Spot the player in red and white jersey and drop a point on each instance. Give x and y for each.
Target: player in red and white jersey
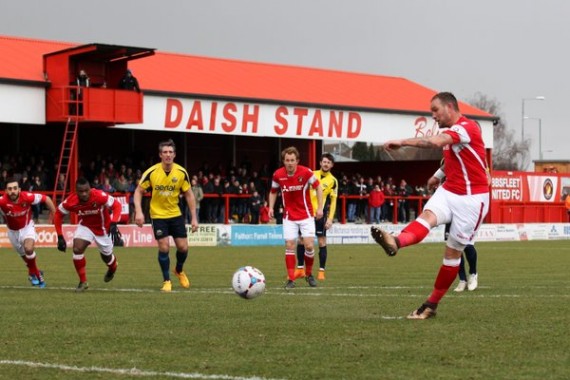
(462, 201)
(16, 206)
(95, 223)
(294, 182)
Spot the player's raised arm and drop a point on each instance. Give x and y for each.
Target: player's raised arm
(437, 141)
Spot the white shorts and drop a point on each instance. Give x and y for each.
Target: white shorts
(104, 242)
(291, 228)
(17, 237)
(464, 212)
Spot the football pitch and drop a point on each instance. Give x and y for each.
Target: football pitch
(353, 326)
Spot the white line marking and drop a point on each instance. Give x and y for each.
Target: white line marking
(311, 292)
(126, 371)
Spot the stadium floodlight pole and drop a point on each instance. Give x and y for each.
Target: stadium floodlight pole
(540, 97)
(539, 134)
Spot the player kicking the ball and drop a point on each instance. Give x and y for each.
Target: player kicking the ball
(462, 200)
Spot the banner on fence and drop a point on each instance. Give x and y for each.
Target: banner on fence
(217, 235)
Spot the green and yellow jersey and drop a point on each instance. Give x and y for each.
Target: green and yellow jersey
(166, 188)
(330, 192)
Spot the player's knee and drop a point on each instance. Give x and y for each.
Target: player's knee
(456, 245)
(77, 251)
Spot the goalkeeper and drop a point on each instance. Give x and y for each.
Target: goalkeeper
(95, 223)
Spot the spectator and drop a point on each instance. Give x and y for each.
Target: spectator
(27, 184)
(107, 187)
(61, 182)
(208, 188)
(82, 80)
(375, 201)
(404, 190)
(131, 190)
(217, 207)
(96, 183)
(388, 206)
(120, 184)
(129, 82)
(3, 178)
(362, 202)
(353, 189)
(254, 207)
(198, 195)
(264, 213)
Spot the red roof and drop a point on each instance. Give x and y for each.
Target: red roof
(22, 59)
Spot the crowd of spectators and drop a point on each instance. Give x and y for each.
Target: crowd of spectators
(370, 201)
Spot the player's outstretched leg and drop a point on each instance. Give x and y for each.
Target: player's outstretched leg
(427, 310)
(388, 242)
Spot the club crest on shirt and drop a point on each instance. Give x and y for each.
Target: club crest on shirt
(300, 179)
(174, 179)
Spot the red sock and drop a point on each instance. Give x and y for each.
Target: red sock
(290, 262)
(413, 233)
(80, 263)
(443, 281)
(31, 264)
(112, 265)
(309, 260)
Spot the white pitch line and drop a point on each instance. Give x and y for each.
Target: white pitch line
(127, 371)
(307, 292)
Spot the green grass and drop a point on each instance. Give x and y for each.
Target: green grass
(515, 326)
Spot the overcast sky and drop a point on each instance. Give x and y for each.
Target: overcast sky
(505, 49)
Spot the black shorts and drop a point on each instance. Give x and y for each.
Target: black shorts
(320, 229)
(174, 227)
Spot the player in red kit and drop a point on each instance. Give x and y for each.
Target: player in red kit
(462, 200)
(95, 223)
(16, 206)
(294, 181)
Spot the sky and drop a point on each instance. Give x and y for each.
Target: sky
(507, 50)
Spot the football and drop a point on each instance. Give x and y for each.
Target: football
(248, 282)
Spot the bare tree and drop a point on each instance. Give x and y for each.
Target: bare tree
(508, 152)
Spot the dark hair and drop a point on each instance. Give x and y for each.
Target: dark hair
(82, 181)
(168, 142)
(447, 98)
(328, 156)
(10, 180)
